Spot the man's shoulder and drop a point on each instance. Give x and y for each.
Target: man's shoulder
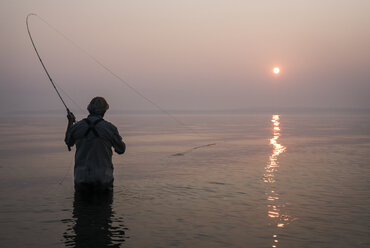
(79, 124)
(109, 124)
(82, 122)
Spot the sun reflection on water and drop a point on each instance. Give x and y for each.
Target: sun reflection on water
(274, 206)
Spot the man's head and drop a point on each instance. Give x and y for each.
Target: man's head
(98, 106)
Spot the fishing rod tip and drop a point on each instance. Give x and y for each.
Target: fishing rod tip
(30, 14)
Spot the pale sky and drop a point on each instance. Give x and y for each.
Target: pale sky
(188, 55)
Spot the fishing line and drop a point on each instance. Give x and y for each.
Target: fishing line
(125, 82)
(192, 149)
(67, 172)
(70, 98)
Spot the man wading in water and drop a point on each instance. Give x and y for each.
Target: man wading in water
(94, 138)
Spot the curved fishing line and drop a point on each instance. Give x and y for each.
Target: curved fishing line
(117, 76)
(119, 79)
(67, 172)
(69, 97)
(192, 149)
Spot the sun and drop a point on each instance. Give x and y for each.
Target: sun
(276, 70)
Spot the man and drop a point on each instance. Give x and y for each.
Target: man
(94, 138)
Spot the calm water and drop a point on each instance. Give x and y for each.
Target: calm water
(270, 181)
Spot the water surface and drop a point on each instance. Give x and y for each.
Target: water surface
(303, 184)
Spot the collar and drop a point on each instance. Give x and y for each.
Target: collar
(94, 116)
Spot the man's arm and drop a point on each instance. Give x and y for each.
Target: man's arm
(71, 120)
(118, 144)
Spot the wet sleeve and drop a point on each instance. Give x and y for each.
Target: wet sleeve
(117, 142)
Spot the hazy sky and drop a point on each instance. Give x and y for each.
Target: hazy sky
(204, 54)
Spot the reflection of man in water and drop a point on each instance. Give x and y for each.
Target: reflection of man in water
(94, 224)
(94, 138)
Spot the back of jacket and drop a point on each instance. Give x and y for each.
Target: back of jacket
(94, 139)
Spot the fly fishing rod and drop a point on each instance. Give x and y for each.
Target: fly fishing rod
(43, 66)
(42, 63)
(120, 79)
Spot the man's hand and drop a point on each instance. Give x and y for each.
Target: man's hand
(71, 117)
